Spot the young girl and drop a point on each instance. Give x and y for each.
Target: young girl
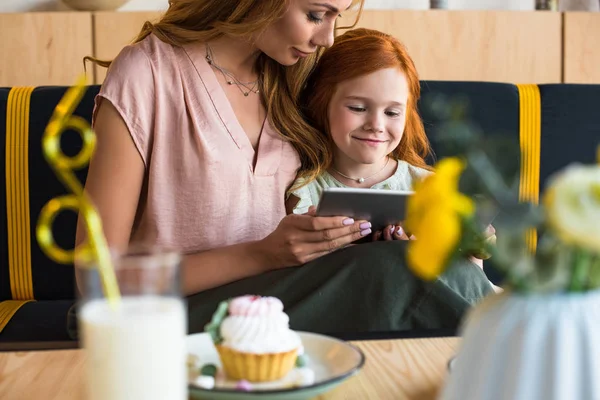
(363, 96)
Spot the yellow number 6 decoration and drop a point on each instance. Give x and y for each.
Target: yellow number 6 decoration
(95, 250)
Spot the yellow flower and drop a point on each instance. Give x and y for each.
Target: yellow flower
(434, 216)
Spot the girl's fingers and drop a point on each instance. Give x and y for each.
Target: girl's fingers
(388, 232)
(399, 234)
(489, 231)
(377, 236)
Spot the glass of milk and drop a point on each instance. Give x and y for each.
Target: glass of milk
(136, 349)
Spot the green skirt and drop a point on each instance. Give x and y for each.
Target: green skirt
(359, 289)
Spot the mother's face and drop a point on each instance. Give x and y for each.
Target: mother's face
(305, 26)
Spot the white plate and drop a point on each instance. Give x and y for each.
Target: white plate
(332, 361)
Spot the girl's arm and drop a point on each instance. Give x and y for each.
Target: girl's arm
(291, 203)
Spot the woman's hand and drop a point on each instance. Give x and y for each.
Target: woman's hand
(392, 232)
(302, 238)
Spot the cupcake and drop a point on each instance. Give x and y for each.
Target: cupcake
(253, 338)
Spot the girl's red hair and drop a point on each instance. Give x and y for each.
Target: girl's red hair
(356, 53)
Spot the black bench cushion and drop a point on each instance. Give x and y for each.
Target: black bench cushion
(493, 105)
(50, 279)
(570, 126)
(39, 321)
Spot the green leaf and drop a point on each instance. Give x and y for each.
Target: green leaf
(594, 279)
(581, 268)
(214, 326)
(208, 370)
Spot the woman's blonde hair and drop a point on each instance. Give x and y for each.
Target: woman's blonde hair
(189, 21)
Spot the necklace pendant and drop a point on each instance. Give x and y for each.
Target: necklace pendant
(246, 94)
(361, 180)
(229, 83)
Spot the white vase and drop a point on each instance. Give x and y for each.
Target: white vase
(529, 347)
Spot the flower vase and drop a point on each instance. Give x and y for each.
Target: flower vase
(529, 347)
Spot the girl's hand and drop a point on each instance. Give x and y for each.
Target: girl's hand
(392, 232)
(302, 238)
(490, 237)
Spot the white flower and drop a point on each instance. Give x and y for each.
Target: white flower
(572, 204)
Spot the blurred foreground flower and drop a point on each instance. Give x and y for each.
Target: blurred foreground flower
(435, 216)
(572, 204)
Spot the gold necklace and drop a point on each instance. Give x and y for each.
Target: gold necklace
(361, 180)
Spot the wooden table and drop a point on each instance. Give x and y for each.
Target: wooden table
(395, 369)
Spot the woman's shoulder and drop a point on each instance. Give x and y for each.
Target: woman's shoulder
(142, 57)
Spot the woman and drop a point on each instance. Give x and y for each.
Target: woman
(199, 137)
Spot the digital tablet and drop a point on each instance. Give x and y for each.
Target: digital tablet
(379, 207)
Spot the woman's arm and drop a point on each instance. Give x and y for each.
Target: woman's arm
(114, 179)
(114, 183)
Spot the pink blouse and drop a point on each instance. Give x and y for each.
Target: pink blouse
(202, 189)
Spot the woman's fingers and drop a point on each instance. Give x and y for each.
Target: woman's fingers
(336, 243)
(308, 222)
(359, 229)
(316, 255)
(321, 235)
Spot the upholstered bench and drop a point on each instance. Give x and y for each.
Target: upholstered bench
(554, 125)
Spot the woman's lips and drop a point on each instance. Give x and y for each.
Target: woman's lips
(300, 53)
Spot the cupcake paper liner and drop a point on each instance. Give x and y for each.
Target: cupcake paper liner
(256, 367)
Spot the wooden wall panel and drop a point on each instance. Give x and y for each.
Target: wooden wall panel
(504, 46)
(43, 48)
(48, 48)
(115, 30)
(582, 47)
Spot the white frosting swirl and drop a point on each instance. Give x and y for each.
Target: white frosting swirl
(259, 334)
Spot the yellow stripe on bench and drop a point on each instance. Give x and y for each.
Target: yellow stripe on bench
(530, 132)
(17, 202)
(8, 308)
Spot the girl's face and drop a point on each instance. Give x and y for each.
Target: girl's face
(305, 26)
(367, 116)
